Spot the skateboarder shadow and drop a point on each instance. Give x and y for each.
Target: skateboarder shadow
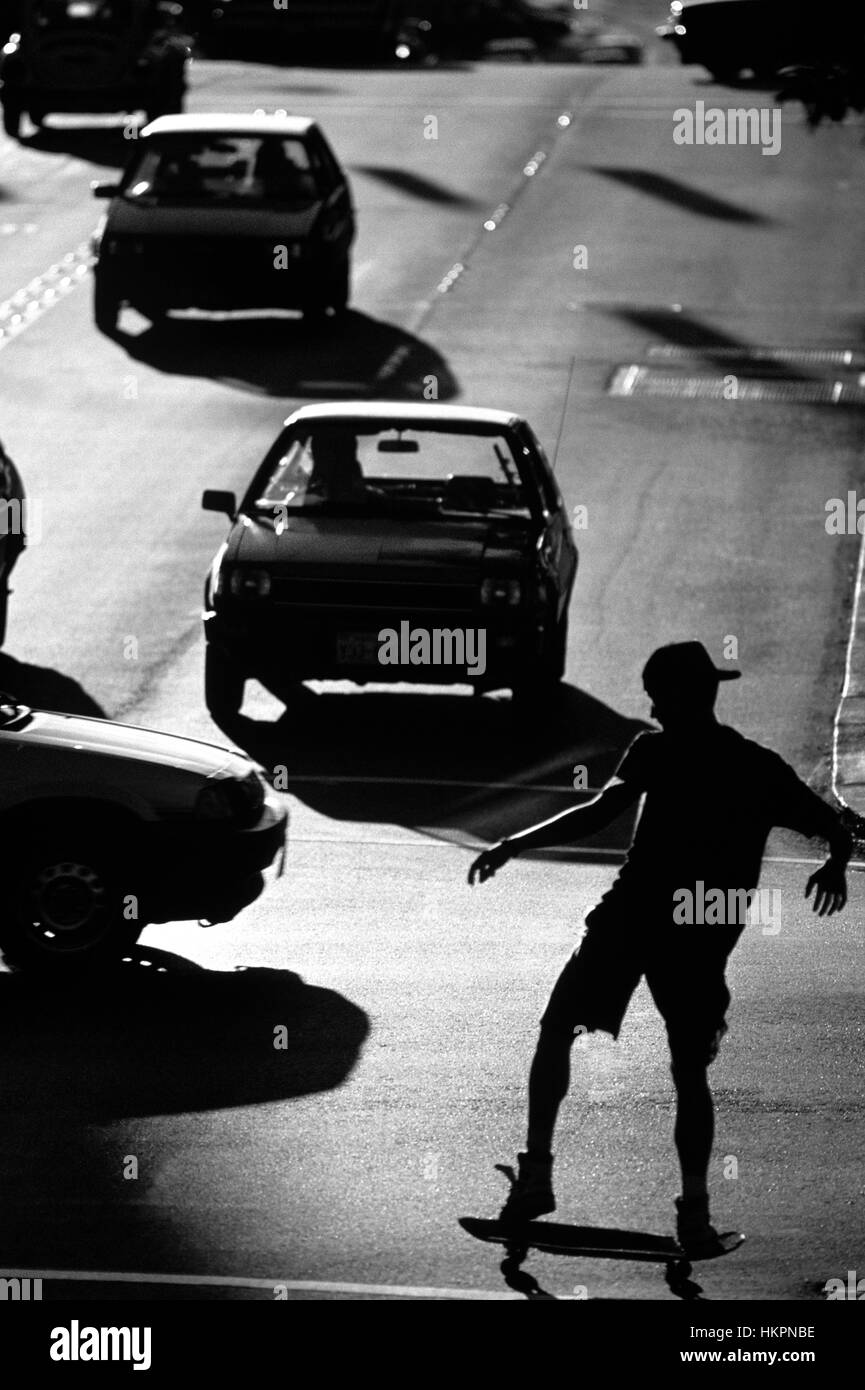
(591, 1242)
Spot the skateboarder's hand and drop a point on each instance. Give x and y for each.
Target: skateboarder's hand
(489, 862)
(830, 884)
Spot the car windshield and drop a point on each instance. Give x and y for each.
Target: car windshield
(369, 464)
(237, 168)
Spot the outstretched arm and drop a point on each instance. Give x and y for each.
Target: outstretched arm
(577, 823)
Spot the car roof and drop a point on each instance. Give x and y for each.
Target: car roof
(415, 412)
(228, 124)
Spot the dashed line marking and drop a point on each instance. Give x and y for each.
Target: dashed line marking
(42, 293)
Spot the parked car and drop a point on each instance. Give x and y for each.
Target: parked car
(226, 212)
(106, 828)
(763, 36)
(13, 520)
(93, 55)
(365, 516)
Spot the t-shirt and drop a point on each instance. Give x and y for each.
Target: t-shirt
(710, 803)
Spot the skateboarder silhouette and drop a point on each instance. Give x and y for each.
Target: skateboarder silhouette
(711, 799)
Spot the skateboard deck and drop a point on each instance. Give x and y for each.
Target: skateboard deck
(592, 1242)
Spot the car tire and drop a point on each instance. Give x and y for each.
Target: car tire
(12, 114)
(223, 685)
(106, 306)
(539, 683)
(67, 902)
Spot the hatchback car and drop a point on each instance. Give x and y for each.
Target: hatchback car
(107, 828)
(441, 527)
(226, 212)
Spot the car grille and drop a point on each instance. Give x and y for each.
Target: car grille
(381, 594)
(193, 257)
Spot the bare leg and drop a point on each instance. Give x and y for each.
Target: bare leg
(549, 1079)
(695, 1126)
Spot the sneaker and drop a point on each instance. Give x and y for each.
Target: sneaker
(694, 1231)
(531, 1191)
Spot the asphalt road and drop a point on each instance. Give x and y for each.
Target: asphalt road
(339, 1166)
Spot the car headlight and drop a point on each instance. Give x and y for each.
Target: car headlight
(505, 591)
(238, 800)
(249, 583)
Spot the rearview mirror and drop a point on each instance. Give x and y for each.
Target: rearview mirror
(214, 500)
(398, 446)
(104, 190)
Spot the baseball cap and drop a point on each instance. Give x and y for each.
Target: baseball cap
(682, 667)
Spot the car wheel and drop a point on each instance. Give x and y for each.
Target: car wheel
(69, 903)
(223, 685)
(538, 684)
(106, 306)
(12, 114)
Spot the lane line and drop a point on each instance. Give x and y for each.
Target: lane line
(42, 293)
(226, 1281)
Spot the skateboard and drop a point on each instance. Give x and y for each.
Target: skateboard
(592, 1242)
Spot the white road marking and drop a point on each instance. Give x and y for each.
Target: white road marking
(848, 673)
(30, 303)
(227, 1281)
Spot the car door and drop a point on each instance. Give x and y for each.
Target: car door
(337, 214)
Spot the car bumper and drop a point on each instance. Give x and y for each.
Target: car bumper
(218, 283)
(345, 646)
(207, 871)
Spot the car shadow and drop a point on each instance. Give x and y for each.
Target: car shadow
(461, 768)
(155, 1035)
(42, 687)
(355, 356)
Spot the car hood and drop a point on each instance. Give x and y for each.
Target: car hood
(144, 220)
(355, 541)
(73, 734)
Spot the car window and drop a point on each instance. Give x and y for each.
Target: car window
(237, 168)
(310, 467)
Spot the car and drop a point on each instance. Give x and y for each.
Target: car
(107, 828)
(93, 55)
(13, 537)
(763, 37)
(371, 517)
(226, 212)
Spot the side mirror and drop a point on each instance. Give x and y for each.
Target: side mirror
(104, 190)
(214, 500)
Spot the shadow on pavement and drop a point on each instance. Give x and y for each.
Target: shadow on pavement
(461, 767)
(682, 195)
(42, 687)
(418, 186)
(357, 356)
(156, 1035)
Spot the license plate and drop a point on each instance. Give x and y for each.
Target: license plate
(357, 649)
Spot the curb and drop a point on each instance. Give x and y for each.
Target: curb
(848, 744)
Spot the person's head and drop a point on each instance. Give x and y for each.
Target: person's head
(335, 465)
(682, 683)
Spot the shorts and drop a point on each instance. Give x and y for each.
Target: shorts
(683, 968)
